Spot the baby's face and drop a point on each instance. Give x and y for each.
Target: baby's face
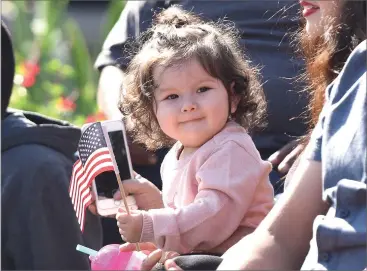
(191, 106)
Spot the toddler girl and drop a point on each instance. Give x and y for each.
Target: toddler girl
(189, 86)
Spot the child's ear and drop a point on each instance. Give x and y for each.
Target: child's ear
(235, 99)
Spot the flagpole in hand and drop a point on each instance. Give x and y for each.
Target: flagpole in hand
(121, 129)
(96, 155)
(123, 196)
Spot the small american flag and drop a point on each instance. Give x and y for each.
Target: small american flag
(94, 158)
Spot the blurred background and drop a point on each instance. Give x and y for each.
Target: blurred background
(56, 44)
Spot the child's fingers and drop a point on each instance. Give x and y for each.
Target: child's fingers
(121, 210)
(168, 255)
(135, 212)
(122, 220)
(127, 247)
(151, 260)
(145, 247)
(122, 217)
(123, 226)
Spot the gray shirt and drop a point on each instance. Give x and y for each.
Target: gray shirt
(265, 28)
(339, 141)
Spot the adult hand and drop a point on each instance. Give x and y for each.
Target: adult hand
(285, 157)
(146, 194)
(171, 265)
(154, 255)
(157, 256)
(93, 208)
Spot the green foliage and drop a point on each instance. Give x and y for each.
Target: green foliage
(54, 73)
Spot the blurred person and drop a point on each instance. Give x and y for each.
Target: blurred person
(263, 26)
(39, 227)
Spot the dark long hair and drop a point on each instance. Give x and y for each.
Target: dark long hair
(326, 55)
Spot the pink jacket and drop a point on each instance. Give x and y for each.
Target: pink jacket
(211, 193)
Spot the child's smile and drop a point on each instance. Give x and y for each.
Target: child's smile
(192, 106)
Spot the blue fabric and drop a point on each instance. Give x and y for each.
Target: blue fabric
(339, 141)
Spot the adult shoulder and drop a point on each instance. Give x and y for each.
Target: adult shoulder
(352, 73)
(21, 165)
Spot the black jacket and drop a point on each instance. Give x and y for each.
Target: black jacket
(39, 229)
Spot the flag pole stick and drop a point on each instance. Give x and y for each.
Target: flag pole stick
(123, 196)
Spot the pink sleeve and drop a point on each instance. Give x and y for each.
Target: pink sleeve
(227, 184)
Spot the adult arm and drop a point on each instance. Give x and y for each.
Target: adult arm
(284, 158)
(109, 87)
(116, 53)
(282, 240)
(113, 61)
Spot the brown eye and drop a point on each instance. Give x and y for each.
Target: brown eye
(171, 97)
(203, 89)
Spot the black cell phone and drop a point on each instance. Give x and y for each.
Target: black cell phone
(105, 185)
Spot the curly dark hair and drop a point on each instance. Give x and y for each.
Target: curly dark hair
(176, 37)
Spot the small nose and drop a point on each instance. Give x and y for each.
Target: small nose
(188, 107)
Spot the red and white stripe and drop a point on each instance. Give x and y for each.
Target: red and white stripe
(98, 162)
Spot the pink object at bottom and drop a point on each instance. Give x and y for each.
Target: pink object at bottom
(110, 258)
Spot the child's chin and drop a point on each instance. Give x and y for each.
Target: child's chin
(195, 141)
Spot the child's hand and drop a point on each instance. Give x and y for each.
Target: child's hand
(146, 194)
(146, 247)
(130, 226)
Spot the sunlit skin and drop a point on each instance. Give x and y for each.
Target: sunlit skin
(191, 106)
(317, 13)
